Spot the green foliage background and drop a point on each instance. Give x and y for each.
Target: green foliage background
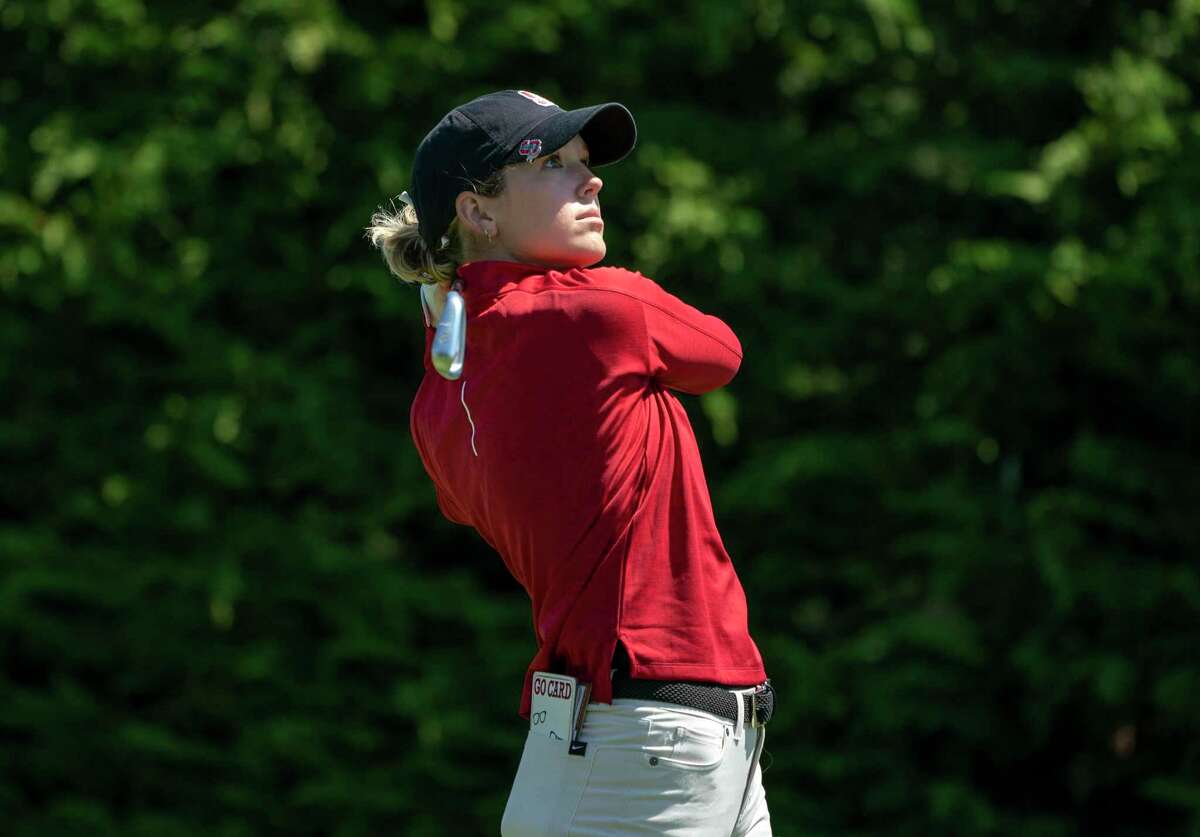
(960, 242)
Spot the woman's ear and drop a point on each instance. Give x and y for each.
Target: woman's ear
(475, 215)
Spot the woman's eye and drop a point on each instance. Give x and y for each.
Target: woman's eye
(553, 159)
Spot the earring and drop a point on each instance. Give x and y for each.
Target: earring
(488, 233)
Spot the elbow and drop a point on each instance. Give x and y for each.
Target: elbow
(728, 362)
(728, 359)
(703, 378)
(726, 372)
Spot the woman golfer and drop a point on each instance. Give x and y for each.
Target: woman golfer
(546, 421)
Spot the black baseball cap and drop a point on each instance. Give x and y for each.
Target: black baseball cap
(510, 126)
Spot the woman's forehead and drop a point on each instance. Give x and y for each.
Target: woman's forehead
(577, 142)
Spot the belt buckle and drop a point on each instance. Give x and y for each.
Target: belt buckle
(754, 722)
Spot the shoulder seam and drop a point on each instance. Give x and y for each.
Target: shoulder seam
(619, 292)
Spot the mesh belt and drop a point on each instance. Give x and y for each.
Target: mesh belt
(711, 698)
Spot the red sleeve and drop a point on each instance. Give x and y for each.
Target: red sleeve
(686, 350)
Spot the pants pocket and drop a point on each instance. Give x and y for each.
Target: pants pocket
(660, 771)
(691, 743)
(547, 789)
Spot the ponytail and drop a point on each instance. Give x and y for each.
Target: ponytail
(395, 233)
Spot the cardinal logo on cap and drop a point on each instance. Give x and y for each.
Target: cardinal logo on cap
(530, 149)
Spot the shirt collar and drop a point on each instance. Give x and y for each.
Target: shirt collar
(490, 276)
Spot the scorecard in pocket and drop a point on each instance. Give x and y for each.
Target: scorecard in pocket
(559, 704)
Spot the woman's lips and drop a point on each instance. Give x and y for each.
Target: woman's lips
(594, 217)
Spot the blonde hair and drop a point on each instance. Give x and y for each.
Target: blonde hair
(396, 234)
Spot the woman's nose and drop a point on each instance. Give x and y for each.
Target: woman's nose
(592, 186)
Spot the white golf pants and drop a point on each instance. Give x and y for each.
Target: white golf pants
(651, 768)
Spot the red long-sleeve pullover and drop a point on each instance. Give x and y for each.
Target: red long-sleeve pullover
(562, 445)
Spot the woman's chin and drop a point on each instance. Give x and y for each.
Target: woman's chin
(597, 254)
(585, 255)
(582, 253)
(594, 251)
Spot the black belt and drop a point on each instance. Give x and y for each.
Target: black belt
(758, 705)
